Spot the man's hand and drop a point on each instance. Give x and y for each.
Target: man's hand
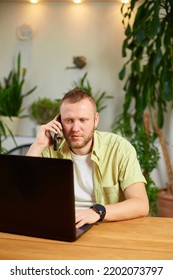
(86, 216)
(44, 139)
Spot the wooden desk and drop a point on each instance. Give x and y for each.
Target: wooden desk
(143, 238)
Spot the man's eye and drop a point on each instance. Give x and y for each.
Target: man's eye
(83, 120)
(68, 121)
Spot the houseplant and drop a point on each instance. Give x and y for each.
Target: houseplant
(44, 110)
(3, 132)
(147, 152)
(3, 135)
(11, 92)
(148, 72)
(99, 96)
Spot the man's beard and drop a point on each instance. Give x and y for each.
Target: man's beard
(84, 140)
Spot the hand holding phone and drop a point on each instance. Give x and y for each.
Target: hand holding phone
(57, 137)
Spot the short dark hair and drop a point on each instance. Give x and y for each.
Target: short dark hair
(77, 94)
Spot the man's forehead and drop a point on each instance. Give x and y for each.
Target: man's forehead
(83, 104)
(77, 110)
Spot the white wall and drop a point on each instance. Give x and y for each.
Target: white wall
(61, 31)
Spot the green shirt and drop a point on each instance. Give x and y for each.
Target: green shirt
(115, 165)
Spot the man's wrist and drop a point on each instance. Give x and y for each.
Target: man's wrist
(99, 209)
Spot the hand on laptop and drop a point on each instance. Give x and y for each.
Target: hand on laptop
(86, 216)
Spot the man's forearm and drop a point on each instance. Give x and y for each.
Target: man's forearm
(127, 209)
(35, 150)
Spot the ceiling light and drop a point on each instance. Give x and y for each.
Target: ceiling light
(34, 1)
(77, 1)
(125, 1)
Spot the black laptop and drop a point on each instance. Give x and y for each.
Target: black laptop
(37, 198)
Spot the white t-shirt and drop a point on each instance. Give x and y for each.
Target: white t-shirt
(83, 180)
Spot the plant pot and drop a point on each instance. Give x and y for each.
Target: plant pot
(12, 124)
(165, 204)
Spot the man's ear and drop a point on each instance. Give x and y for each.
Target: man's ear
(96, 119)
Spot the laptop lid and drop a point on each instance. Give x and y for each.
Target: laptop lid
(37, 197)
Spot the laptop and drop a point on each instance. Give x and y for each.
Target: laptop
(37, 198)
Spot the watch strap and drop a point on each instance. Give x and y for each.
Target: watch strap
(99, 209)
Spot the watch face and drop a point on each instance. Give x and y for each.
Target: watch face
(100, 209)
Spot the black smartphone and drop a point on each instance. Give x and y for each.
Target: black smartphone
(57, 137)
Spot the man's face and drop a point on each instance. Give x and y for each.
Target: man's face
(79, 121)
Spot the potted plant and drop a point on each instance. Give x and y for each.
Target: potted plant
(2, 135)
(149, 75)
(44, 110)
(99, 97)
(11, 96)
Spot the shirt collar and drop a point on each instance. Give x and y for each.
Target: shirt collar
(96, 153)
(64, 149)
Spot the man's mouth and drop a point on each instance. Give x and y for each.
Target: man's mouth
(75, 137)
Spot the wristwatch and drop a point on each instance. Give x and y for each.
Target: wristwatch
(99, 209)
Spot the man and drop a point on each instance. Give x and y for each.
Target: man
(105, 164)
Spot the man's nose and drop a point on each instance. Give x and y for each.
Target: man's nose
(75, 126)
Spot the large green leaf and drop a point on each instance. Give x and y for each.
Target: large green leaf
(11, 91)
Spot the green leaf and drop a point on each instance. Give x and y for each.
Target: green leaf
(124, 54)
(122, 73)
(128, 30)
(154, 26)
(139, 35)
(160, 116)
(156, 60)
(168, 88)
